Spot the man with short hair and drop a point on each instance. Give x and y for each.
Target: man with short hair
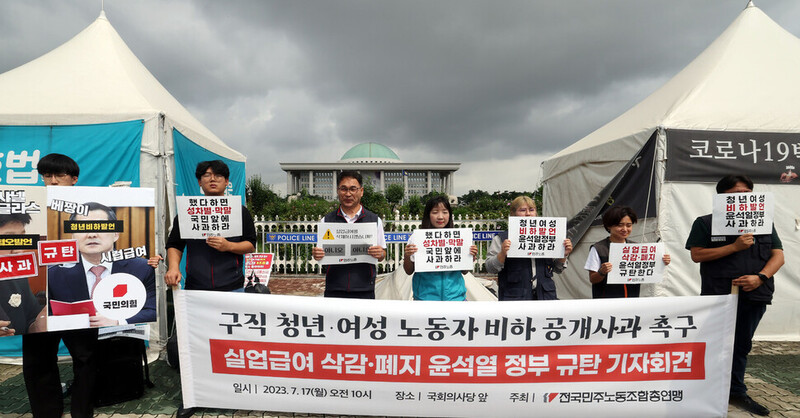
(76, 282)
(40, 350)
(747, 261)
(216, 263)
(352, 280)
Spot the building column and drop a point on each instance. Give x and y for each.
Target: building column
(383, 183)
(430, 189)
(405, 183)
(289, 185)
(311, 182)
(450, 183)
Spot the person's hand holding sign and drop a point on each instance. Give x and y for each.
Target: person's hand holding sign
(376, 251)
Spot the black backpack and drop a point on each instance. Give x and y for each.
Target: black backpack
(122, 370)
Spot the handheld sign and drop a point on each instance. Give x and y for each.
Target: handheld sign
(201, 217)
(636, 263)
(442, 249)
(536, 237)
(346, 243)
(742, 213)
(257, 268)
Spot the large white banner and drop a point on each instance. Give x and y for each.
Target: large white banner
(605, 357)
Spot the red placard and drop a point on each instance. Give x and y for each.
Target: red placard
(14, 266)
(58, 252)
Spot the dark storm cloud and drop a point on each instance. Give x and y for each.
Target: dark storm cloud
(440, 80)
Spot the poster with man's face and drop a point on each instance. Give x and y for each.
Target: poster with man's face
(23, 222)
(110, 282)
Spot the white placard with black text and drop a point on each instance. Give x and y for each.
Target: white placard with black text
(636, 263)
(742, 213)
(536, 237)
(347, 243)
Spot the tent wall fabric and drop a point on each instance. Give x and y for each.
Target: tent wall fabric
(94, 84)
(744, 86)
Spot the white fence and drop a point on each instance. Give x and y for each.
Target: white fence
(293, 256)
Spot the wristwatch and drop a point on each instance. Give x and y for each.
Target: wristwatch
(763, 277)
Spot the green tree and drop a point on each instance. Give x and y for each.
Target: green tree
(375, 201)
(394, 194)
(260, 197)
(414, 206)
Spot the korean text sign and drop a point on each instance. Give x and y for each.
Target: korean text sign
(636, 263)
(442, 249)
(638, 357)
(536, 237)
(201, 217)
(347, 243)
(742, 213)
(257, 266)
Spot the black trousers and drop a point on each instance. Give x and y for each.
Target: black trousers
(42, 380)
(748, 315)
(366, 294)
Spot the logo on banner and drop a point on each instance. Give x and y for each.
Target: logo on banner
(328, 235)
(119, 296)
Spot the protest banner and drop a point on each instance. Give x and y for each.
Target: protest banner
(113, 228)
(257, 268)
(633, 357)
(23, 226)
(742, 213)
(201, 217)
(442, 249)
(536, 237)
(636, 263)
(347, 243)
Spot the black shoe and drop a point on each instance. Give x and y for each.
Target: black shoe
(184, 412)
(748, 404)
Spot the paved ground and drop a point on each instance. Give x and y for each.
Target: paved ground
(773, 379)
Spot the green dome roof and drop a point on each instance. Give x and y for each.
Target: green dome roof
(370, 151)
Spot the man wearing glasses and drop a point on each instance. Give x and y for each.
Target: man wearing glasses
(352, 280)
(216, 263)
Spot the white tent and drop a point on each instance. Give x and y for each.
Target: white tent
(94, 78)
(745, 84)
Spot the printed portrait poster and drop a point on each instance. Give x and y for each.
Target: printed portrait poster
(110, 283)
(536, 237)
(346, 243)
(257, 268)
(23, 224)
(636, 263)
(442, 249)
(742, 213)
(200, 217)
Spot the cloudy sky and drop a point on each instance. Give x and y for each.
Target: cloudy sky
(496, 85)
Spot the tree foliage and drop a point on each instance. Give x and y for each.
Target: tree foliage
(263, 201)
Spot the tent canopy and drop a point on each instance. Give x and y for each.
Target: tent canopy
(753, 61)
(95, 78)
(746, 84)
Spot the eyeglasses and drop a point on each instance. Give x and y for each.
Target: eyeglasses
(59, 176)
(351, 189)
(208, 176)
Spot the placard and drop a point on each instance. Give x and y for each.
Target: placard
(442, 249)
(347, 243)
(257, 268)
(15, 266)
(201, 217)
(111, 227)
(536, 237)
(742, 213)
(636, 263)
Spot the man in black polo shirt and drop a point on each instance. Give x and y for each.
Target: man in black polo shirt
(216, 263)
(352, 280)
(747, 261)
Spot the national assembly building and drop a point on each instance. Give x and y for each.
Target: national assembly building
(378, 165)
